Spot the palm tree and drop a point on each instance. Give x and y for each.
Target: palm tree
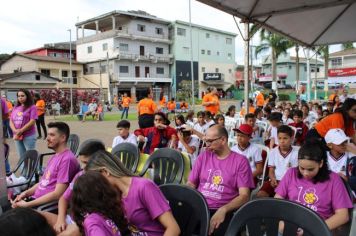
(349, 45)
(278, 45)
(324, 52)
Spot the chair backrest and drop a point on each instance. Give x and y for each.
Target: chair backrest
(129, 155)
(295, 130)
(73, 142)
(189, 208)
(264, 173)
(167, 164)
(30, 162)
(262, 217)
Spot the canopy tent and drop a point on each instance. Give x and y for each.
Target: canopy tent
(308, 22)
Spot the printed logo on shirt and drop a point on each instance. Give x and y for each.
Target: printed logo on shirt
(112, 225)
(135, 231)
(213, 188)
(309, 198)
(45, 181)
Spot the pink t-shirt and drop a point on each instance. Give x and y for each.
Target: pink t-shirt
(20, 118)
(322, 197)
(60, 169)
(98, 225)
(4, 109)
(219, 180)
(143, 204)
(68, 193)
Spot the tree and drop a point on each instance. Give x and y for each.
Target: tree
(349, 45)
(324, 52)
(4, 57)
(278, 45)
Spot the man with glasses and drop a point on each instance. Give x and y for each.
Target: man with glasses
(223, 177)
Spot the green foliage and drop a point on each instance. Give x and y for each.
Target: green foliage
(283, 97)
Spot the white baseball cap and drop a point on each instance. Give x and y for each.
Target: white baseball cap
(336, 136)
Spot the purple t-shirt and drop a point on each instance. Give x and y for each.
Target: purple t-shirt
(4, 109)
(219, 180)
(20, 118)
(98, 225)
(68, 193)
(143, 204)
(322, 197)
(60, 169)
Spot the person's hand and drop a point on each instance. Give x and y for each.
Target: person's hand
(274, 183)
(19, 197)
(187, 127)
(60, 225)
(217, 219)
(20, 203)
(141, 138)
(161, 126)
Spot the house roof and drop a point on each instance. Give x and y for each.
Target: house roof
(346, 52)
(43, 58)
(17, 74)
(57, 46)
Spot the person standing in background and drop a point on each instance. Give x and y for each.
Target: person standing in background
(146, 109)
(41, 110)
(6, 121)
(126, 105)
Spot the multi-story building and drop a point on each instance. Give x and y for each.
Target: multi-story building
(286, 69)
(126, 51)
(213, 57)
(342, 67)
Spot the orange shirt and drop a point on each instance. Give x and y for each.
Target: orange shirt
(171, 106)
(184, 105)
(260, 100)
(146, 106)
(250, 110)
(162, 102)
(9, 107)
(212, 108)
(126, 101)
(331, 97)
(333, 121)
(41, 107)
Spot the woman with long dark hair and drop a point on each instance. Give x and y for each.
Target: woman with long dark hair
(97, 207)
(146, 209)
(22, 122)
(313, 185)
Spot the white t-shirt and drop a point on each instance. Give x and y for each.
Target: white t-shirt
(274, 134)
(210, 123)
(338, 165)
(252, 153)
(287, 121)
(194, 142)
(201, 129)
(130, 139)
(281, 162)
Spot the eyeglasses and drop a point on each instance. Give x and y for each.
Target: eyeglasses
(210, 141)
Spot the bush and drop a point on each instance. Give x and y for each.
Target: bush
(283, 97)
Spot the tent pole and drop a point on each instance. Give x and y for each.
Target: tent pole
(308, 74)
(246, 64)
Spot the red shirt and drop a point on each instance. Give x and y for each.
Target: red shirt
(302, 131)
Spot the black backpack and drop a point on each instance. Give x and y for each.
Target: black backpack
(351, 172)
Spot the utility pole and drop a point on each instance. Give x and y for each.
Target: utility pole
(191, 54)
(246, 64)
(109, 84)
(70, 72)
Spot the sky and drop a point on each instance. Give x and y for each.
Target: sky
(29, 24)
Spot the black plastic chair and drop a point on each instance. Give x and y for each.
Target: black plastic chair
(73, 143)
(189, 208)
(346, 228)
(262, 217)
(128, 154)
(30, 163)
(167, 164)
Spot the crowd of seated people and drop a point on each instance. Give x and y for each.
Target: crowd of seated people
(305, 161)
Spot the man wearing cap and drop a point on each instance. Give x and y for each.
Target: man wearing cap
(91, 109)
(336, 140)
(249, 150)
(223, 177)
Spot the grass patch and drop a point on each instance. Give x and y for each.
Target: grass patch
(107, 117)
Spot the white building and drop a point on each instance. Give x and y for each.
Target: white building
(125, 51)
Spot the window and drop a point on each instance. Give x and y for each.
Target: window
(218, 53)
(229, 56)
(160, 70)
(336, 62)
(209, 52)
(207, 35)
(74, 75)
(91, 70)
(46, 72)
(159, 50)
(290, 67)
(181, 31)
(203, 51)
(38, 77)
(105, 46)
(159, 31)
(216, 70)
(124, 47)
(228, 40)
(203, 69)
(90, 49)
(64, 73)
(124, 69)
(103, 69)
(141, 28)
